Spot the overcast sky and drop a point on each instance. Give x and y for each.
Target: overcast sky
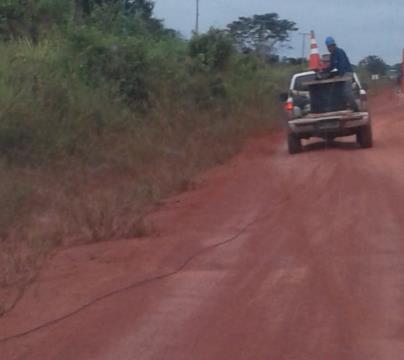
(361, 27)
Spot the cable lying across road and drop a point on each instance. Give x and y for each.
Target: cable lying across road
(139, 283)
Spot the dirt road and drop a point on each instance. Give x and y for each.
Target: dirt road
(270, 256)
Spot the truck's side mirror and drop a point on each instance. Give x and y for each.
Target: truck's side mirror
(283, 97)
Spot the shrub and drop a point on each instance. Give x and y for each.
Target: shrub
(29, 18)
(47, 111)
(211, 51)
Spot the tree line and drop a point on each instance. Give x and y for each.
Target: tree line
(34, 18)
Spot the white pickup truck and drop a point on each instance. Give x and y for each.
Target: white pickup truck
(317, 108)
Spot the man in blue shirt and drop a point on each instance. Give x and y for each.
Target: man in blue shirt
(339, 61)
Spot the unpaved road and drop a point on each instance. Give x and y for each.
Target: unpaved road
(270, 257)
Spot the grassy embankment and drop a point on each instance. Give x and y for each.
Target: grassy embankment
(95, 127)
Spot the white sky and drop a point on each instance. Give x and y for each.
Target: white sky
(361, 27)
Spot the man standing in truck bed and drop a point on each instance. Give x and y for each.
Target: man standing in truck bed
(339, 61)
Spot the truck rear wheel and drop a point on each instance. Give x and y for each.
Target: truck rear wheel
(294, 144)
(364, 137)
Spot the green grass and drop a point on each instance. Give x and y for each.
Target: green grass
(96, 129)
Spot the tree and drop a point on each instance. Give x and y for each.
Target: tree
(141, 8)
(374, 65)
(261, 33)
(212, 50)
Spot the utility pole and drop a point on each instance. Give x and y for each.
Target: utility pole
(197, 18)
(304, 36)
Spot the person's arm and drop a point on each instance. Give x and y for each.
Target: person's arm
(328, 69)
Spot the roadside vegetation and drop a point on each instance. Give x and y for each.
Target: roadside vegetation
(104, 111)
(377, 74)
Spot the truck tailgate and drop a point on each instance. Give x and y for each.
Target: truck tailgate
(337, 122)
(339, 116)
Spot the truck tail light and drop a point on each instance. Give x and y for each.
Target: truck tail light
(289, 105)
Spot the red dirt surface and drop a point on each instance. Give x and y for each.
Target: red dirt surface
(271, 257)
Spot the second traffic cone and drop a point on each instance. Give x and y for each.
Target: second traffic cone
(314, 60)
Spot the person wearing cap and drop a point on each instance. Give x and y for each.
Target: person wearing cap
(339, 61)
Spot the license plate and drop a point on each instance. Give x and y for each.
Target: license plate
(328, 125)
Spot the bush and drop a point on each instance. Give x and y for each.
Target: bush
(211, 51)
(46, 110)
(122, 62)
(30, 19)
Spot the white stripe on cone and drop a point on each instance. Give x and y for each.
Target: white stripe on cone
(314, 59)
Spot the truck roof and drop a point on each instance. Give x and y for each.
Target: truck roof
(295, 76)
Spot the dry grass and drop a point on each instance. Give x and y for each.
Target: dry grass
(106, 196)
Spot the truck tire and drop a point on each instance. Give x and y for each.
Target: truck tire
(364, 137)
(294, 144)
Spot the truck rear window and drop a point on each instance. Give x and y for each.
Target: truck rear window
(302, 79)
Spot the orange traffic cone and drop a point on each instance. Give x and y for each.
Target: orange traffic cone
(314, 60)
